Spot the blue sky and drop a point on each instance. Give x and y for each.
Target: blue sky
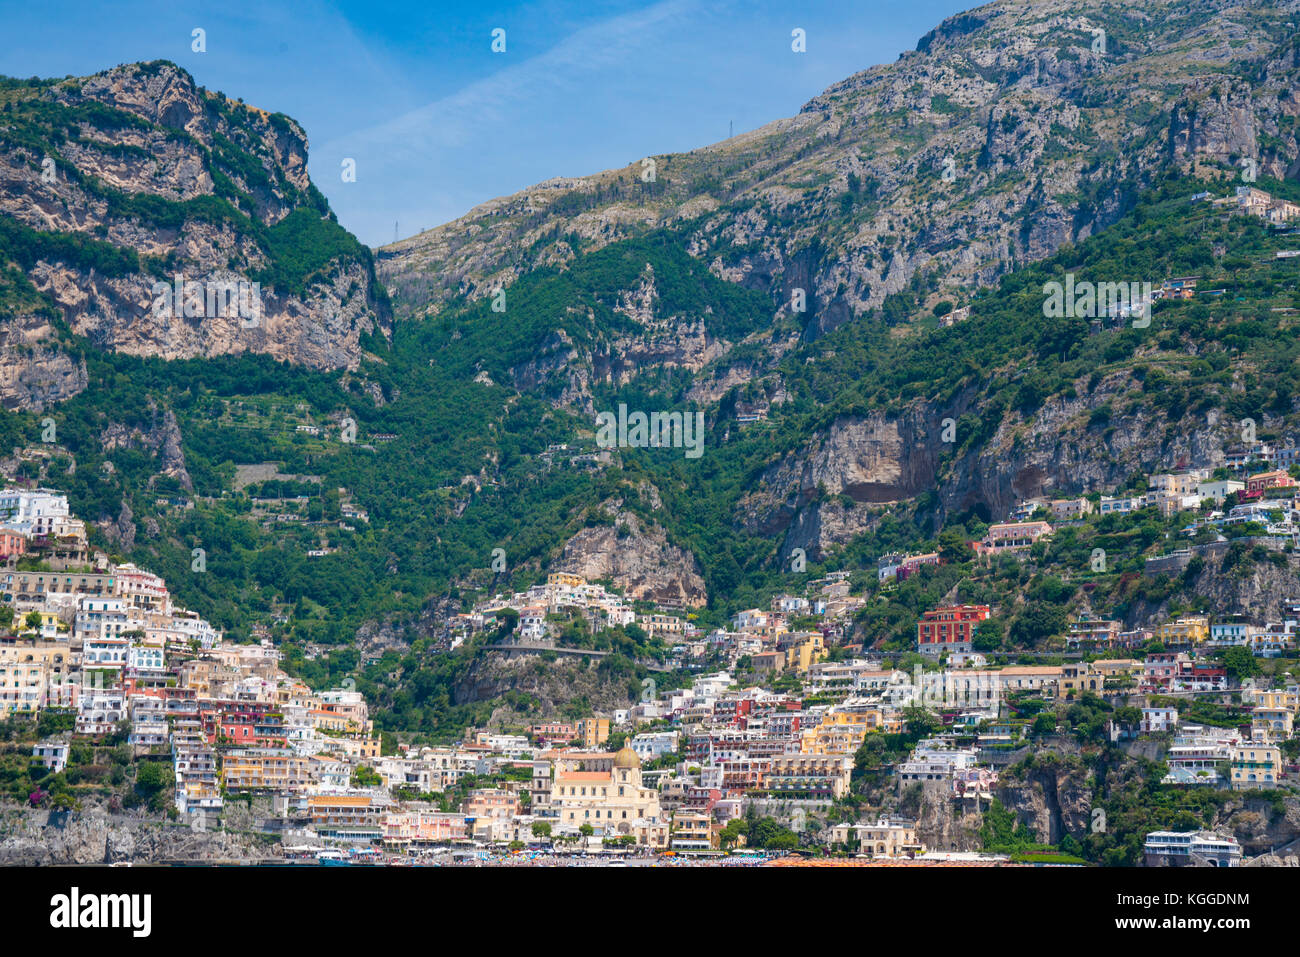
(437, 122)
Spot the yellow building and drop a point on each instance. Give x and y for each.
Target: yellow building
(47, 629)
(354, 746)
(603, 790)
(593, 731)
(802, 649)
(1094, 676)
(883, 839)
(265, 769)
(694, 831)
(1078, 677)
(1255, 765)
(668, 627)
(1117, 667)
(1273, 715)
(566, 579)
(27, 672)
(1191, 630)
(840, 732)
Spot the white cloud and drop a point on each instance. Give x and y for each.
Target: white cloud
(461, 117)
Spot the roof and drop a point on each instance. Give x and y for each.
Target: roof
(351, 800)
(584, 776)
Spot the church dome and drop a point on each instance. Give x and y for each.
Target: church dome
(626, 758)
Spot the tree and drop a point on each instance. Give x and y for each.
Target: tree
(730, 834)
(989, 635)
(920, 722)
(541, 829)
(953, 546)
(33, 621)
(586, 830)
(1239, 663)
(1002, 831)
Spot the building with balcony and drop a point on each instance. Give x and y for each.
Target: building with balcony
(884, 838)
(1255, 765)
(694, 831)
(349, 816)
(949, 628)
(820, 776)
(1190, 848)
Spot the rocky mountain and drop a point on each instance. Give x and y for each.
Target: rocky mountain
(1011, 130)
(1013, 134)
(156, 218)
(852, 298)
(636, 556)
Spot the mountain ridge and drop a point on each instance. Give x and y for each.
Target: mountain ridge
(115, 184)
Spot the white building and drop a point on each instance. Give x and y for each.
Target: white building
(931, 762)
(34, 511)
(1182, 848)
(99, 710)
(1219, 490)
(654, 744)
(52, 753)
(98, 618)
(145, 658)
(148, 721)
(1159, 720)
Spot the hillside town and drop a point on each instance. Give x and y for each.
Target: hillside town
(754, 754)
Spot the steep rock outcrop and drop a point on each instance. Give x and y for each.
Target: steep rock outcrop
(36, 371)
(637, 557)
(37, 838)
(162, 179)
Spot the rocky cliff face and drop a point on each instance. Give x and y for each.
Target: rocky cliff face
(814, 495)
(549, 686)
(1254, 589)
(994, 143)
(945, 825)
(36, 370)
(1010, 132)
(1052, 798)
(30, 838)
(162, 438)
(1057, 792)
(114, 185)
(637, 556)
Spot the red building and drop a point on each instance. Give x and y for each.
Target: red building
(950, 628)
(1257, 484)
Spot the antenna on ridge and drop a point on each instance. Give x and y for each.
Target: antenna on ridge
(394, 230)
